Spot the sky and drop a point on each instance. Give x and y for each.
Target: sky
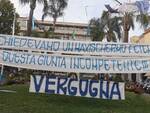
(78, 11)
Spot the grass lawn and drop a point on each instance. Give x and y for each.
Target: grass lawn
(25, 102)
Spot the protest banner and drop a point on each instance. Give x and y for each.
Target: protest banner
(72, 63)
(74, 47)
(74, 87)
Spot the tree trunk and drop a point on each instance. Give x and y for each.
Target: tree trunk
(125, 39)
(126, 35)
(54, 24)
(29, 25)
(109, 36)
(125, 28)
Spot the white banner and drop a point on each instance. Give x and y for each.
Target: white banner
(74, 87)
(77, 64)
(73, 47)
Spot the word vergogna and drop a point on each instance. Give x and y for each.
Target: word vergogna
(75, 87)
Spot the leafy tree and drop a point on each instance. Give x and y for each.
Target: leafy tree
(55, 9)
(7, 17)
(32, 8)
(96, 29)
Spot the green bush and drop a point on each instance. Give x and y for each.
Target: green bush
(117, 78)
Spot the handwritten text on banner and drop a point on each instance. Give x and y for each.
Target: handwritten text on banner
(73, 47)
(70, 63)
(75, 87)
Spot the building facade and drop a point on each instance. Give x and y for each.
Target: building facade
(142, 39)
(145, 37)
(63, 30)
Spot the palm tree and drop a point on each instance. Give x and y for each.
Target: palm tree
(106, 26)
(143, 20)
(55, 9)
(32, 7)
(112, 26)
(128, 22)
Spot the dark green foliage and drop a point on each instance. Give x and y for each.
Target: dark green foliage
(35, 34)
(14, 75)
(96, 29)
(143, 20)
(111, 26)
(106, 27)
(7, 17)
(117, 78)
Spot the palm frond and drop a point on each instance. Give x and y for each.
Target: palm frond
(55, 8)
(24, 2)
(143, 20)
